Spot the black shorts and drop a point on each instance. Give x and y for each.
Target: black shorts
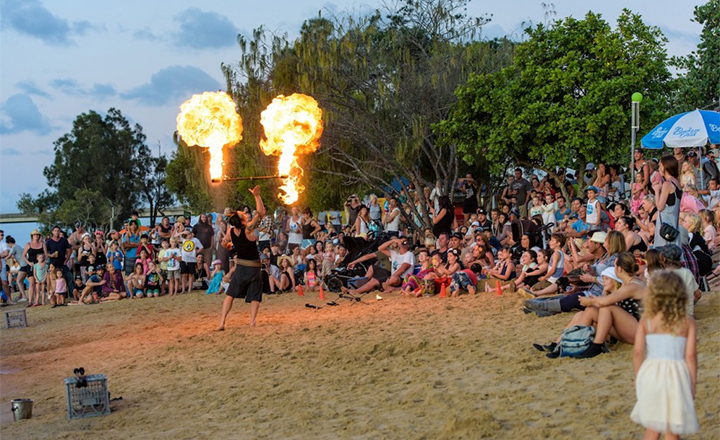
(28, 270)
(246, 282)
(187, 268)
(470, 208)
(380, 274)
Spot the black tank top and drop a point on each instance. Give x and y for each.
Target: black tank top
(245, 249)
(642, 247)
(307, 230)
(445, 223)
(33, 253)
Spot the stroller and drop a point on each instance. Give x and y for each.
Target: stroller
(357, 247)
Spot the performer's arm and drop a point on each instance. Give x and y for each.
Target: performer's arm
(260, 207)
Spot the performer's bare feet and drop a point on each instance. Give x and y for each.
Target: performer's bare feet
(220, 329)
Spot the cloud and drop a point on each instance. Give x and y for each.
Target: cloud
(10, 151)
(72, 87)
(30, 88)
(21, 114)
(146, 34)
(31, 18)
(204, 30)
(171, 83)
(691, 38)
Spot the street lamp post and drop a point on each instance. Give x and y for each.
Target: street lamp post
(635, 126)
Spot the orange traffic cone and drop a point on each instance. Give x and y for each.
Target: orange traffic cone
(300, 292)
(443, 290)
(498, 289)
(322, 293)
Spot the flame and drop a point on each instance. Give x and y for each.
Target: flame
(293, 126)
(209, 120)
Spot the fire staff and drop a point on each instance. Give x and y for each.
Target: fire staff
(246, 281)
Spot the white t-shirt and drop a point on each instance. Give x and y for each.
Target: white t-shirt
(593, 212)
(692, 285)
(189, 250)
(173, 264)
(397, 259)
(394, 225)
(3, 248)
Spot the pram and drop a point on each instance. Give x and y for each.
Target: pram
(357, 247)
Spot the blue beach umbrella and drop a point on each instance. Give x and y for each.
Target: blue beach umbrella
(686, 130)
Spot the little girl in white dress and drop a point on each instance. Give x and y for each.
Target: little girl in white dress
(665, 361)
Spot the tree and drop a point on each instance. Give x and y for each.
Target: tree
(382, 81)
(152, 184)
(699, 87)
(100, 157)
(565, 100)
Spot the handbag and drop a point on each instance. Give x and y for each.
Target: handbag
(667, 231)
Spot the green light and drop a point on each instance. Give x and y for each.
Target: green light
(637, 97)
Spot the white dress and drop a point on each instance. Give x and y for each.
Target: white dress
(663, 387)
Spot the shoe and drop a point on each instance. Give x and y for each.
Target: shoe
(553, 354)
(527, 311)
(527, 293)
(592, 351)
(547, 347)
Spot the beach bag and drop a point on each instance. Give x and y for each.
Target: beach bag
(575, 340)
(667, 231)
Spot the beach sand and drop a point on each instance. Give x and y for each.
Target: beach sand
(400, 368)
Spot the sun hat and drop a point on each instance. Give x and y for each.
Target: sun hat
(592, 188)
(87, 234)
(599, 237)
(285, 257)
(35, 232)
(610, 273)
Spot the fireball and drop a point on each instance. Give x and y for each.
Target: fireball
(292, 126)
(209, 120)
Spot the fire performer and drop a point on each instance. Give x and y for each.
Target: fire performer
(246, 281)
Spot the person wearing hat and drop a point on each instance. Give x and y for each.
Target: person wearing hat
(483, 220)
(246, 281)
(671, 259)
(285, 279)
(589, 169)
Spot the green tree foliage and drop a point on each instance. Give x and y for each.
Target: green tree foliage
(565, 100)
(153, 184)
(102, 162)
(382, 81)
(699, 87)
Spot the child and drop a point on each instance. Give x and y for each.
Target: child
(638, 193)
(136, 282)
(163, 259)
(216, 278)
(709, 231)
(687, 176)
(145, 244)
(537, 208)
(665, 361)
(556, 268)
(503, 272)
(191, 247)
(39, 272)
(465, 280)
(93, 285)
(78, 287)
(529, 262)
(115, 257)
(144, 259)
(593, 210)
(60, 289)
(153, 280)
(50, 282)
(173, 266)
(548, 210)
(311, 277)
(412, 283)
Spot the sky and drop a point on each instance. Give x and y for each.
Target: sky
(61, 58)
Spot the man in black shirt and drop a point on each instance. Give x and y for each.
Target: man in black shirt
(353, 206)
(485, 223)
(59, 251)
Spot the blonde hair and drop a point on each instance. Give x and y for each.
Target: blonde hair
(667, 294)
(693, 221)
(615, 243)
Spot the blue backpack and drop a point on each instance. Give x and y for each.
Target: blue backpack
(575, 340)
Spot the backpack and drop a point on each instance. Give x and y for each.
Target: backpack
(575, 340)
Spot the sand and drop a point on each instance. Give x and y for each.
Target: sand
(400, 368)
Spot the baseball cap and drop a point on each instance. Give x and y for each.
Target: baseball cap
(691, 153)
(599, 237)
(671, 252)
(590, 166)
(262, 257)
(457, 235)
(592, 188)
(481, 211)
(515, 212)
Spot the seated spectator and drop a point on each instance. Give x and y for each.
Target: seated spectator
(556, 268)
(412, 283)
(670, 257)
(114, 287)
(503, 273)
(286, 281)
(529, 263)
(136, 282)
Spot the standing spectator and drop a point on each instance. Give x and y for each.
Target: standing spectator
(435, 195)
(335, 218)
(376, 211)
(16, 252)
(204, 232)
(392, 219)
(130, 244)
(362, 223)
(164, 229)
(469, 186)
(709, 167)
(444, 219)
(264, 232)
(75, 238)
(100, 249)
(642, 167)
(221, 252)
(115, 256)
(352, 206)
(294, 229)
(4, 253)
(310, 228)
(190, 248)
(669, 195)
(520, 188)
(59, 251)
